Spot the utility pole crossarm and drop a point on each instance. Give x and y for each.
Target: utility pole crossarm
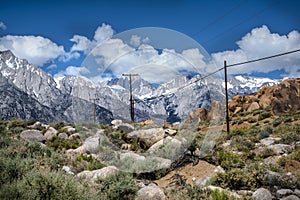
(130, 75)
(131, 98)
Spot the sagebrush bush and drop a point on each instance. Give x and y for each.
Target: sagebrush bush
(251, 120)
(288, 133)
(51, 185)
(240, 131)
(228, 160)
(266, 132)
(61, 143)
(119, 186)
(238, 121)
(264, 115)
(256, 112)
(58, 125)
(196, 192)
(87, 162)
(267, 152)
(237, 179)
(277, 121)
(242, 143)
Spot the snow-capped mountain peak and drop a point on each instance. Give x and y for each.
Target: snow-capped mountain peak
(171, 101)
(243, 85)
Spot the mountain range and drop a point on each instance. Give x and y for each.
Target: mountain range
(29, 93)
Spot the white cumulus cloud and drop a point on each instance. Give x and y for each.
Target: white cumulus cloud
(261, 42)
(36, 49)
(103, 33)
(135, 40)
(72, 71)
(110, 57)
(82, 43)
(114, 57)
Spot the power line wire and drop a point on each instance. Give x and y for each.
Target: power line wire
(229, 30)
(235, 64)
(264, 58)
(220, 18)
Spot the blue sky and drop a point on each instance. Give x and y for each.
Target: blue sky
(233, 30)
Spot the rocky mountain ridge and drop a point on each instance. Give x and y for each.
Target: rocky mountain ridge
(41, 89)
(169, 102)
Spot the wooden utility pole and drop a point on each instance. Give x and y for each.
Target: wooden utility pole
(95, 99)
(226, 94)
(131, 98)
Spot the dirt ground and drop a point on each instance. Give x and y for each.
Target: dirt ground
(201, 170)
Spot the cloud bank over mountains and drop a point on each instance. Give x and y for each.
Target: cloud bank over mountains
(116, 55)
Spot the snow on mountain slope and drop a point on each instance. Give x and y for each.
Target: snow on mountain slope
(243, 85)
(41, 88)
(171, 101)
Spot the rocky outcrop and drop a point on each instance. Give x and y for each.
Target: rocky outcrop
(125, 127)
(216, 111)
(50, 133)
(262, 194)
(281, 98)
(151, 192)
(91, 144)
(147, 136)
(99, 174)
(32, 136)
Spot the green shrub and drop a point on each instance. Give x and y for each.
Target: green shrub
(63, 130)
(237, 179)
(277, 122)
(242, 114)
(5, 140)
(220, 195)
(243, 144)
(288, 119)
(61, 143)
(264, 115)
(295, 155)
(240, 131)
(290, 138)
(51, 185)
(196, 192)
(16, 123)
(87, 162)
(234, 115)
(265, 133)
(11, 170)
(58, 125)
(119, 186)
(134, 145)
(251, 120)
(256, 112)
(238, 121)
(267, 152)
(228, 160)
(287, 129)
(268, 108)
